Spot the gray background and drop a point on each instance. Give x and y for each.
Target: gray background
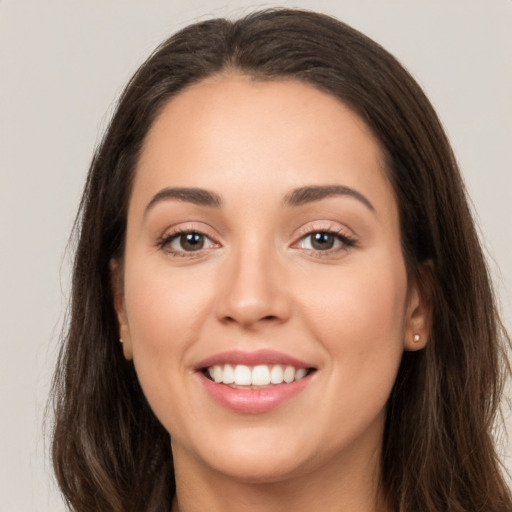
(63, 63)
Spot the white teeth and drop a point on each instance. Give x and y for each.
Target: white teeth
(300, 373)
(276, 374)
(289, 374)
(260, 375)
(217, 374)
(228, 375)
(243, 375)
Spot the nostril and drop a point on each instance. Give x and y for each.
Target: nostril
(250, 321)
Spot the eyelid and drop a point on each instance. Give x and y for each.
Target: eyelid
(324, 226)
(347, 236)
(173, 232)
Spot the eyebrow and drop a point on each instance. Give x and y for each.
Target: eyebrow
(297, 197)
(310, 194)
(196, 196)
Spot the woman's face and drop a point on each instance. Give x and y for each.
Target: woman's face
(264, 297)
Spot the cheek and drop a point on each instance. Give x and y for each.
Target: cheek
(359, 323)
(362, 299)
(161, 304)
(165, 312)
(358, 314)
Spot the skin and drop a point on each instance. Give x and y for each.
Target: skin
(349, 311)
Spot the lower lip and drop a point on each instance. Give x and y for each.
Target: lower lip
(252, 401)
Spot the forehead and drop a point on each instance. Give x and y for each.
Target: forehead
(266, 106)
(280, 134)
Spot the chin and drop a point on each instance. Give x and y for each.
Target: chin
(256, 457)
(261, 468)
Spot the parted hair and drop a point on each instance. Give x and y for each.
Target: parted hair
(109, 451)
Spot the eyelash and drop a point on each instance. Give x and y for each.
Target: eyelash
(164, 243)
(346, 242)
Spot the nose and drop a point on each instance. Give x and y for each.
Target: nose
(253, 291)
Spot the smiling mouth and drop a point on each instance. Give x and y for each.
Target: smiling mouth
(242, 376)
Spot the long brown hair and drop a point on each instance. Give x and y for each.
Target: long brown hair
(109, 451)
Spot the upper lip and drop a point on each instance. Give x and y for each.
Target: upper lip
(254, 358)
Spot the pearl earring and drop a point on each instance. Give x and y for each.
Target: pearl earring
(417, 338)
(121, 340)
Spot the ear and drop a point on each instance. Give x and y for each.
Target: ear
(117, 284)
(418, 321)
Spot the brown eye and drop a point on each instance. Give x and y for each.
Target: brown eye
(322, 241)
(191, 241)
(186, 242)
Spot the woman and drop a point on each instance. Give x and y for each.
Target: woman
(275, 229)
